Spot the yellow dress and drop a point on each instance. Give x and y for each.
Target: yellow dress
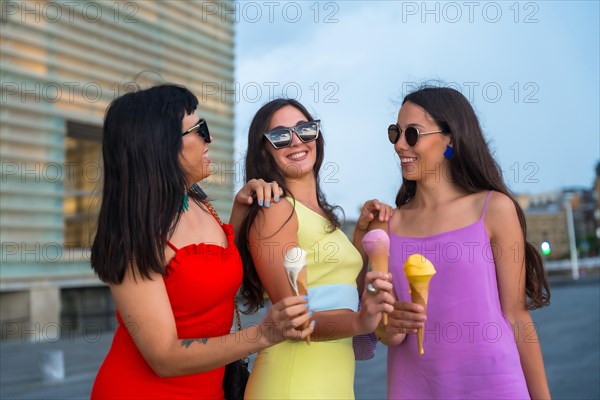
(323, 370)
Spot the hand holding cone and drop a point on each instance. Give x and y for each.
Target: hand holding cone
(294, 263)
(418, 271)
(377, 246)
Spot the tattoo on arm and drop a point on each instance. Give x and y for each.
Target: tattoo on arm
(188, 342)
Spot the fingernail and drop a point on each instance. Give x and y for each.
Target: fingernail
(307, 305)
(313, 323)
(267, 204)
(305, 297)
(276, 199)
(260, 203)
(310, 313)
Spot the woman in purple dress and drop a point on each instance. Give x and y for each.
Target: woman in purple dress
(454, 209)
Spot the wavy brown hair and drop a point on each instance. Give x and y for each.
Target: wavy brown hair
(474, 169)
(260, 164)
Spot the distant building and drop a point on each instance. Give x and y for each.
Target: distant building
(549, 224)
(62, 63)
(597, 211)
(547, 221)
(585, 206)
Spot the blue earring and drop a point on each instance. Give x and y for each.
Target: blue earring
(449, 153)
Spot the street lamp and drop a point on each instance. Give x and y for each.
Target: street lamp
(571, 229)
(546, 250)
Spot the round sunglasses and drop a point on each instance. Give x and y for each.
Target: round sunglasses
(282, 137)
(411, 134)
(202, 128)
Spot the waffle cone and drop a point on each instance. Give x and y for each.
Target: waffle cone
(379, 262)
(419, 291)
(302, 284)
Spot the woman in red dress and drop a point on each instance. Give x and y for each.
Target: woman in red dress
(171, 264)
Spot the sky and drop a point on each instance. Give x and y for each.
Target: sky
(530, 69)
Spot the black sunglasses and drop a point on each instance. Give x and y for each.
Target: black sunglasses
(202, 128)
(282, 137)
(411, 134)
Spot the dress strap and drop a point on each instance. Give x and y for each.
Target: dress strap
(175, 249)
(212, 211)
(486, 203)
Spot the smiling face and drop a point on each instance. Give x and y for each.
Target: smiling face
(422, 160)
(194, 152)
(299, 159)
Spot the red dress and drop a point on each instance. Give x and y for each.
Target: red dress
(202, 281)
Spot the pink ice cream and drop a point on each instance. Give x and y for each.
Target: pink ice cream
(376, 239)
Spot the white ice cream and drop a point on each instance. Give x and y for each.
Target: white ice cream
(293, 261)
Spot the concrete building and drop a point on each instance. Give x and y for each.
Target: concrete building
(549, 225)
(547, 220)
(61, 65)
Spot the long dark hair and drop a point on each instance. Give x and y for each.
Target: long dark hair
(473, 168)
(260, 164)
(143, 180)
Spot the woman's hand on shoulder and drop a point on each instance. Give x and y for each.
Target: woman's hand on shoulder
(373, 215)
(265, 193)
(271, 220)
(373, 210)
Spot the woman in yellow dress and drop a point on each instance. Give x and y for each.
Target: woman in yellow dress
(285, 144)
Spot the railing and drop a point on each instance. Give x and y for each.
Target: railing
(565, 265)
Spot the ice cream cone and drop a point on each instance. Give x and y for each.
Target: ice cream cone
(301, 282)
(295, 267)
(377, 246)
(419, 271)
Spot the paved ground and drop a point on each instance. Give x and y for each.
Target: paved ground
(569, 332)
(21, 376)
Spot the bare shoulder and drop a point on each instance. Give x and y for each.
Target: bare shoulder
(395, 222)
(500, 205)
(272, 219)
(501, 214)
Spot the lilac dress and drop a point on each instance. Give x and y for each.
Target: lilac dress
(470, 349)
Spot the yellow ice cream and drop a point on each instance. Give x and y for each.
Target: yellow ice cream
(419, 270)
(418, 265)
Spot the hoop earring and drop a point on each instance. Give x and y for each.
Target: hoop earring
(449, 153)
